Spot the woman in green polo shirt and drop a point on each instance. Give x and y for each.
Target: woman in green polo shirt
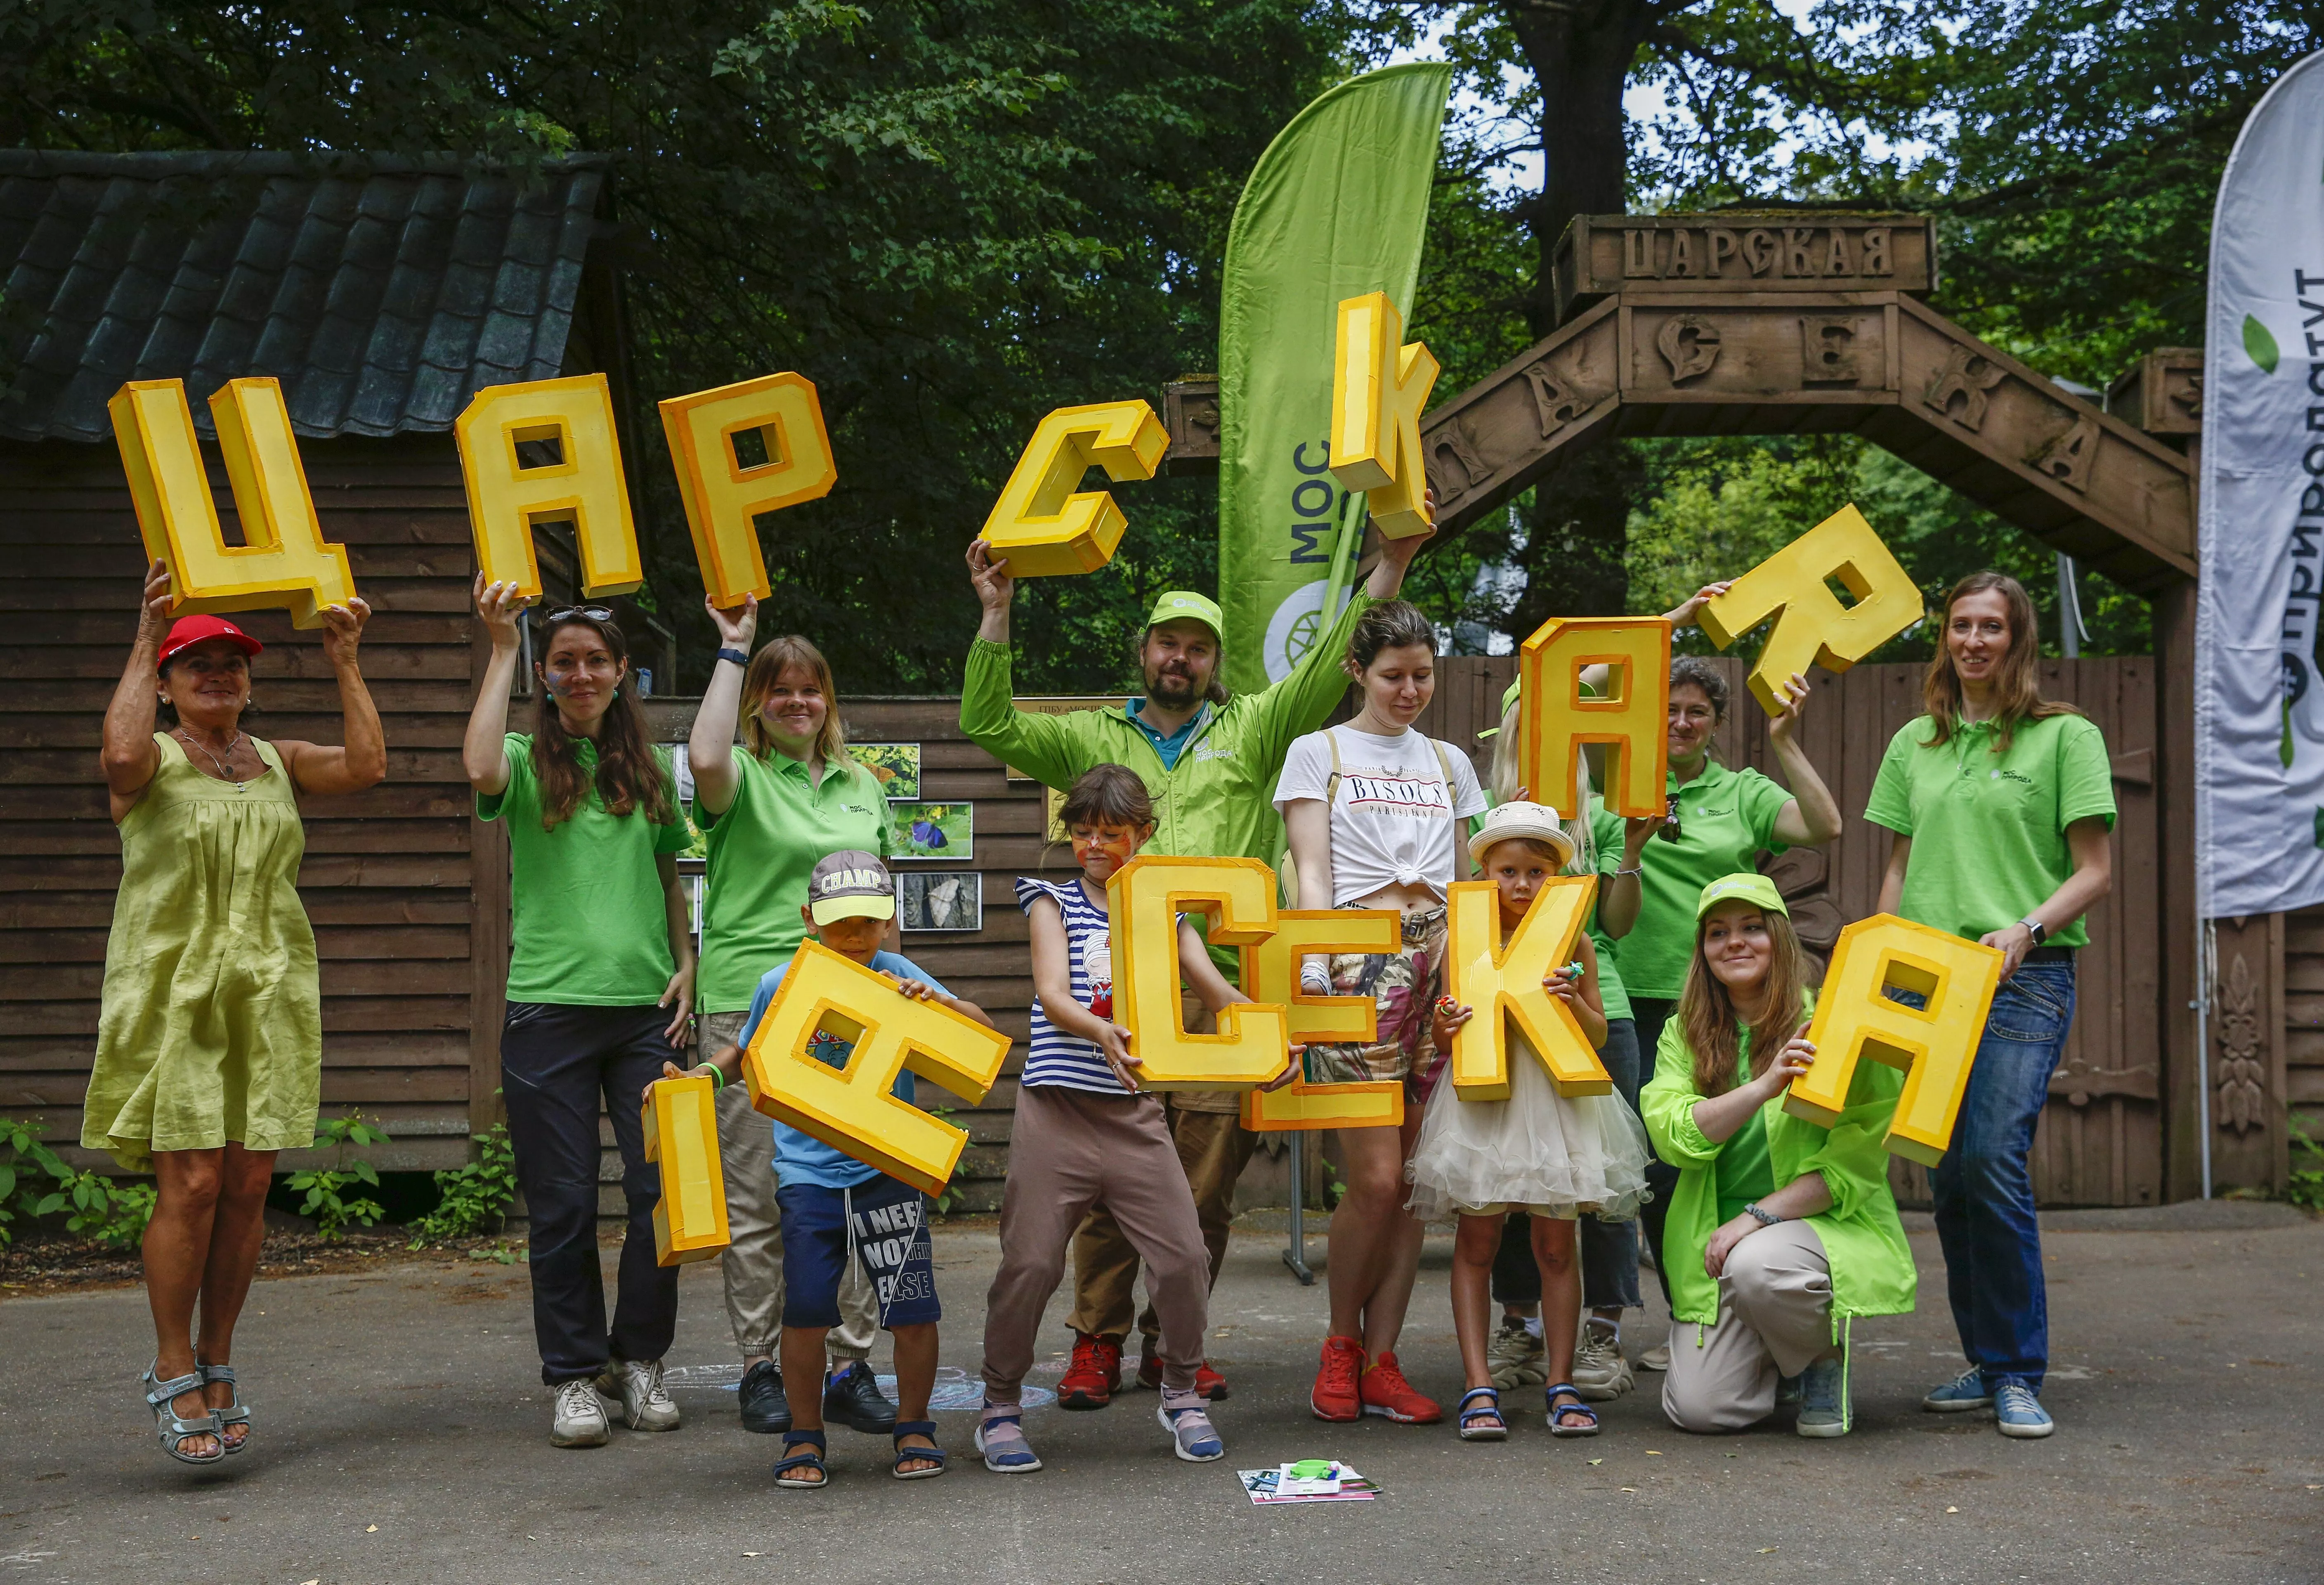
(773, 808)
(600, 988)
(1720, 821)
(2001, 802)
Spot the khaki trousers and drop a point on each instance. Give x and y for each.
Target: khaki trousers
(1774, 1319)
(1067, 1150)
(1212, 1148)
(752, 1264)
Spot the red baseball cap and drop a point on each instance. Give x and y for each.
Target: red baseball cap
(188, 631)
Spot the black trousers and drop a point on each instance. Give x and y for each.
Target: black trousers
(1650, 1014)
(555, 1063)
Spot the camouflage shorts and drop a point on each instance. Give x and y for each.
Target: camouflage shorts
(1404, 986)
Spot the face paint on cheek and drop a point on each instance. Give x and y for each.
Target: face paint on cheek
(1118, 849)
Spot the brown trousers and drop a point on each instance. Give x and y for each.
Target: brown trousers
(1068, 1149)
(1212, 1148)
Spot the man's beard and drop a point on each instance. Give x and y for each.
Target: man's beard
(1173, 687)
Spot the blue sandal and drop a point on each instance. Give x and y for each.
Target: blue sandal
(1565, 1389)
(1496, 1431)
(904, 1455)
(235, 1414)
(790, 1461)
(174, 1429)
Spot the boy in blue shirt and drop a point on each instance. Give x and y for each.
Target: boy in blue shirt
(831, 1202)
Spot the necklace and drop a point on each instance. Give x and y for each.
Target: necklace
(225, 774)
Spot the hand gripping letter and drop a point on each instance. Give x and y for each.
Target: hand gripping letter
(1934, 1044)
(1270, 974)
(1145, 898)
(850, 1109)
(1039, 523)
(1811, 627)
(1380, 385)
(283, 559)
(681, 1125)
(1631, 716)
(1503, 985)
(571, 474)
(723, 496)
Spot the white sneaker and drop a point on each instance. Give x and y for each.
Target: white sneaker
(580, 1421)
(646, 1404)
(1656, 1358)
(1600, 1371)
(1513, 1357)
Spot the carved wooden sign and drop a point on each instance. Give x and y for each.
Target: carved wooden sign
(1737, 252)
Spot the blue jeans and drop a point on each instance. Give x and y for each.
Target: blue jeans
(1984, 1188)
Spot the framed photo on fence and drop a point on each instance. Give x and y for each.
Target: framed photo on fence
(895, 765)
(933, 830)
(940, 899)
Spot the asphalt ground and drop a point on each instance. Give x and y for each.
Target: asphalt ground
(401, 1435)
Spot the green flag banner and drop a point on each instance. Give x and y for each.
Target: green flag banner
(1336, 207)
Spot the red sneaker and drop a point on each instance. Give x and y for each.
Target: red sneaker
(1093, 1377)
(1207, 1382)
(1385, 1391)
(1336, 1397)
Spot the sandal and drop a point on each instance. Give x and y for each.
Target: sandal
(171, 1429)
(1557, 1412)
(1499, 1431)
(1001, 1438)
(904, 1455)
(790, 1461)
(235, 1414)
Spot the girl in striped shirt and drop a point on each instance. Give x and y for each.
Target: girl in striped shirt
(1086, 1134)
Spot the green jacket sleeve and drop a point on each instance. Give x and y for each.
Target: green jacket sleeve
(1667, 1103)
(1851, 1156)
(1042, 746)
(1302, 703)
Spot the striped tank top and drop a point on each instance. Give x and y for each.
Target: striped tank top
(1063, 1060)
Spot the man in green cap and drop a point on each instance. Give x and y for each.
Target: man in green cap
(1211, 760)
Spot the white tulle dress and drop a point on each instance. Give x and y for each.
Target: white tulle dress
(1536, 1152)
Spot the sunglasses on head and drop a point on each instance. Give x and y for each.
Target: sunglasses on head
(593, 613)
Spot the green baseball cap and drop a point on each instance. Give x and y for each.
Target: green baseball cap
(1184, 605)
(1507, 699)
(1746, 888)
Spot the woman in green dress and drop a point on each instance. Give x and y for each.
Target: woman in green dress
(209, 1046)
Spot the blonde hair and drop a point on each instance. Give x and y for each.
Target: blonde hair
(777, 656)
(1509, 773)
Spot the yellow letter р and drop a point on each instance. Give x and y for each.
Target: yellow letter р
(723, 496)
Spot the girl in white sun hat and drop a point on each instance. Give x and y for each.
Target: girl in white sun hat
(1537, 1152)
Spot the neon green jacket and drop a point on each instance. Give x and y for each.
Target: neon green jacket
(1872, 1269)
(1218, 800)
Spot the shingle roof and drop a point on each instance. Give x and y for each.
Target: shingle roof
(382, 293)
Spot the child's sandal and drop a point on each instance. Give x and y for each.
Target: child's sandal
(790, 1461)
(904, 1455)
(1499, 1431)
(1557, 1412)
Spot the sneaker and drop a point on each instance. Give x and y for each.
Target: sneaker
(1386, 1392)
(1093, 1375)
(1656, 1358)
(765, 1411)
(1823, 1399)
(1966, 1391)
(636, 1385)
(1336, 1397)
(2020, 1412)
(1208, 1383)
(1000, 1441)
(1192, 1437)
(1600, 1371)
(1513, 1357)
(853, 1399)
(580, 1419)
(1787, 1392)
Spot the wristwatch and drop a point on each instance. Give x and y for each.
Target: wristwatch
(2040, 932)
(1765, 1218)
(735, 655)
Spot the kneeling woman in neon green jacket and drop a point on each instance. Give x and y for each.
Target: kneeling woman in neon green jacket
(1782, 1231)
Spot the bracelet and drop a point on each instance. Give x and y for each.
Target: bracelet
(1766, 1219)
(717, 1077)
(735, 655)
(1640, 872)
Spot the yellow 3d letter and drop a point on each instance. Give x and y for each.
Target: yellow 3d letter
(1935, 1045)
(850, 1109)
(283, 559)
(681, 1124)
(1380, 385)
(1629, 715)
(1811, 627)
(1039, 523)
(1503, 984)
(722, 494)
(1145, 897)
(1270, 974)
(580, 481)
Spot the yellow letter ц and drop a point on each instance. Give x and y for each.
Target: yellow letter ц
(283, 559)
(680, 1116)
(851, 1108)
(1811, 627)
(1631, 716)
(1502, 985)
(1145, 898)
(1935, 1043)
(1270, 974)
(1380, 385)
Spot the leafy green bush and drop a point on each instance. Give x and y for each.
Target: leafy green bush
(113, 1213)
(476, 1197)
(323, 1187)
(2307, 1186)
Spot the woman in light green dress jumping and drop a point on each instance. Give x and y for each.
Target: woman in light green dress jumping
(209, 1045)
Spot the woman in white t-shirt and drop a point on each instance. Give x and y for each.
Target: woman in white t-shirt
(1374, 809)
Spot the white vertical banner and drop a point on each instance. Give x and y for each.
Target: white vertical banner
(2259, 690)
